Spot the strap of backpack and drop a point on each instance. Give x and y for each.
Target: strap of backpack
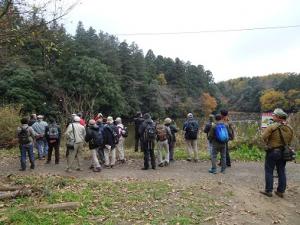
(281, 136)
(73, 132)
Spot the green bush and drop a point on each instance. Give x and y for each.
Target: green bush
(9, 121)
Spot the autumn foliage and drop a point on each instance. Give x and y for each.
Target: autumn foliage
(208, 103)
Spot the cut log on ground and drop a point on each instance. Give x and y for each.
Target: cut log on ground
(10, 188)
(14, 194)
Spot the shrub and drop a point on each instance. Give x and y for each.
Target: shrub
(9, 121)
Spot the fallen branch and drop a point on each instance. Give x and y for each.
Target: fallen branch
(61, 206)
(10, 188)
(15, 194)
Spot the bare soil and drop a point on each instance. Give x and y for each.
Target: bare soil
(242, 183)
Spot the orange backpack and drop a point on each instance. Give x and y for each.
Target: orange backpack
(161, 131)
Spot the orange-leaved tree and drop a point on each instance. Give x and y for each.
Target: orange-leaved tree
(208, 103)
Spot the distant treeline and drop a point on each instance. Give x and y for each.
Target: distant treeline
(262, 93)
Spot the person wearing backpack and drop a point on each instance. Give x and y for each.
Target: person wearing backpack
(122, 133)
(218, 135)
(276, 136)
(172, 139)
(206, 130)
(39, 128)
(191, 129)
(95, 141)
(110, 136)
(138, 120)
(147, 132)
(163, 135)
(53, 135)
(26, 136)
(225, 119)
(75, 135)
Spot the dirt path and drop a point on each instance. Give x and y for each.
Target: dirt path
(242, 182)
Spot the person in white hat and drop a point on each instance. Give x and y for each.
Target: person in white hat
(122, 134)
(274, 136)
(39, 128)
(191, 129)
(75, 135)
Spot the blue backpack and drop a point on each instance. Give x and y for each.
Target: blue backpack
(221, 133)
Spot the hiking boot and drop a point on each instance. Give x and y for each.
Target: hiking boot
(91, 167)
(266, 193)
(122, 161)
(106, 166)
(154, 168)
(79, 169)
(97, 169)
(189, 160)
(213, 171)
(196, 160)
(223, 171)
(161, 165)
(166, 163)
(48, 162)
(279, 194)
(22, 169)
(145, 168)
(32, 166)
(112, 166)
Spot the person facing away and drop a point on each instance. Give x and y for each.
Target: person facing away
(76, 132)
(39, 128)
(163, 135)
(147, 133)
(172, 139)
(225, 119)
(26, 136)
(95, 141)
(206, 130)
(110, 137)
(138, 120)
(276, 136)
(218, 135)
(121, 134)
(32, 120)
(191, 129)
(53, 137)
(100, 124)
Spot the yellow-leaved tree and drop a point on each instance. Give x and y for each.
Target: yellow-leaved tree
(208, 103)
(161, 79)
(272, 99)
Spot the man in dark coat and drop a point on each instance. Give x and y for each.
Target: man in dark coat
(138, 120)
(147, 136)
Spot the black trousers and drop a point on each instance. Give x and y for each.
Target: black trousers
(54, 146)
(137, 144)
(228, 161)
(148, 149)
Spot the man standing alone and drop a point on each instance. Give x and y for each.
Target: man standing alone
(274, 136)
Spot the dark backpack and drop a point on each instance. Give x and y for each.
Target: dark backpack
(192, 129)
(221, 133)
(114, 131)
(150, 132)
(53, 132)
(24, 136)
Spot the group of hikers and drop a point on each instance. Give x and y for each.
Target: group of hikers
(106, 136)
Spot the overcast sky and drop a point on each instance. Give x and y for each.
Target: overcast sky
(228, 54)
